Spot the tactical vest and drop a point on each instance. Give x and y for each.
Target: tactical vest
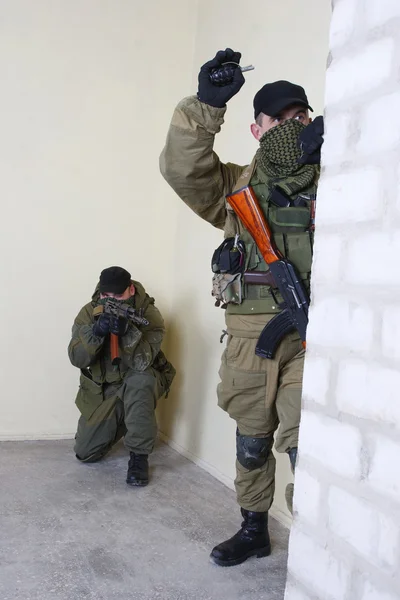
(292, 236)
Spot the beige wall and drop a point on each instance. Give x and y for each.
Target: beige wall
(284, 40)
(88, 90)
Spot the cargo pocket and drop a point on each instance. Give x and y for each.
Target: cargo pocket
(232, 349)
(242, 395)
(167, 372)
(168, 375)
(90, 395)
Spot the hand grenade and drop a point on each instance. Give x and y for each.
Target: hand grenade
(224, 75)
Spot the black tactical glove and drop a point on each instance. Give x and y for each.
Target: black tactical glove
(216, 95)
(119, 326)
(101, 326)
(310, 142)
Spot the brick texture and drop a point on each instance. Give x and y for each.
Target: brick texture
(345, 538)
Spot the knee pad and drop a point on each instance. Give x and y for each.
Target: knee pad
(251, 452)
(293, 457)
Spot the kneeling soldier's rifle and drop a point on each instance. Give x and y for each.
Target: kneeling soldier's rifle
(295, 301)
(118, 309)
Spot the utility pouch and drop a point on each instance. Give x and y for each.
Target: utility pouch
(229, 257)
(292, 219)
(228, 264)
(167, 370)
(227, 288)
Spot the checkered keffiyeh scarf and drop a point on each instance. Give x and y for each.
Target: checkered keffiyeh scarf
(277, 158)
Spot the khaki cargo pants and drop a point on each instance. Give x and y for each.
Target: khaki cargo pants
(260, 395)
(126, 411)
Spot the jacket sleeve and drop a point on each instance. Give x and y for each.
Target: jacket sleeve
(140, 345)
(84, 347)
(190, 165)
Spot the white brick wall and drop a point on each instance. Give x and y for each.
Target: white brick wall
(337, 135)
(389, 127)
(369, 531)
(336, 322)
(379, 11)
(317, 385)
(345, 539)
(385, 472)
(371, 593)
(356, 196)
(391, 332)
(329, 255)
(293, 593)
(317, 567)
(372, 258)
(342, 22)
(307, 498)
(367, 391)
(353, 75)
(337, 445)
(398, 190)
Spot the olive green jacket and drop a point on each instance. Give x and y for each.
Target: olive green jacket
(191, 167)
(139, 347)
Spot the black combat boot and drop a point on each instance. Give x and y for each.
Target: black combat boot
(138, 470)
(251, 540)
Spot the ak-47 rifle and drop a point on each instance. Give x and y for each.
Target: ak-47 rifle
(295, 301)
(117, 309)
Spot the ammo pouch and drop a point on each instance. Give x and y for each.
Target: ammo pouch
(293, 219)
(166, 370)
(227, 288)
(228, 264)
(90, 394)
(294, 238)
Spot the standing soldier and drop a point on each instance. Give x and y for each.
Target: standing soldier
(120, 384)
(259, 394)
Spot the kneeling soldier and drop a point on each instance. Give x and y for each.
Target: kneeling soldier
(116, 342)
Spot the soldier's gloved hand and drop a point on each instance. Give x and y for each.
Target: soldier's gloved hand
(101, 326)
(119, 326)
(310, 142)
(216, 95)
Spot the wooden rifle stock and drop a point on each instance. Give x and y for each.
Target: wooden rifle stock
(246, 206)
(295, 309)
(114, 349)
(117, 309)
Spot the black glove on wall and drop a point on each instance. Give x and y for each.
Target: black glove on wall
(310, 142)
(217, 95)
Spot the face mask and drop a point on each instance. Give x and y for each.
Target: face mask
(129, 301)
(279, 152)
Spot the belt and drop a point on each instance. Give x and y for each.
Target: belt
(259, 278)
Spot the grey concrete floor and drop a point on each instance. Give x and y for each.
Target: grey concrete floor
(70, 531)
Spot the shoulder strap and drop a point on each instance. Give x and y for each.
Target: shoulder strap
(232, 224)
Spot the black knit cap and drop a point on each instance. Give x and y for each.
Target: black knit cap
(114, 280)
(276, 96)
